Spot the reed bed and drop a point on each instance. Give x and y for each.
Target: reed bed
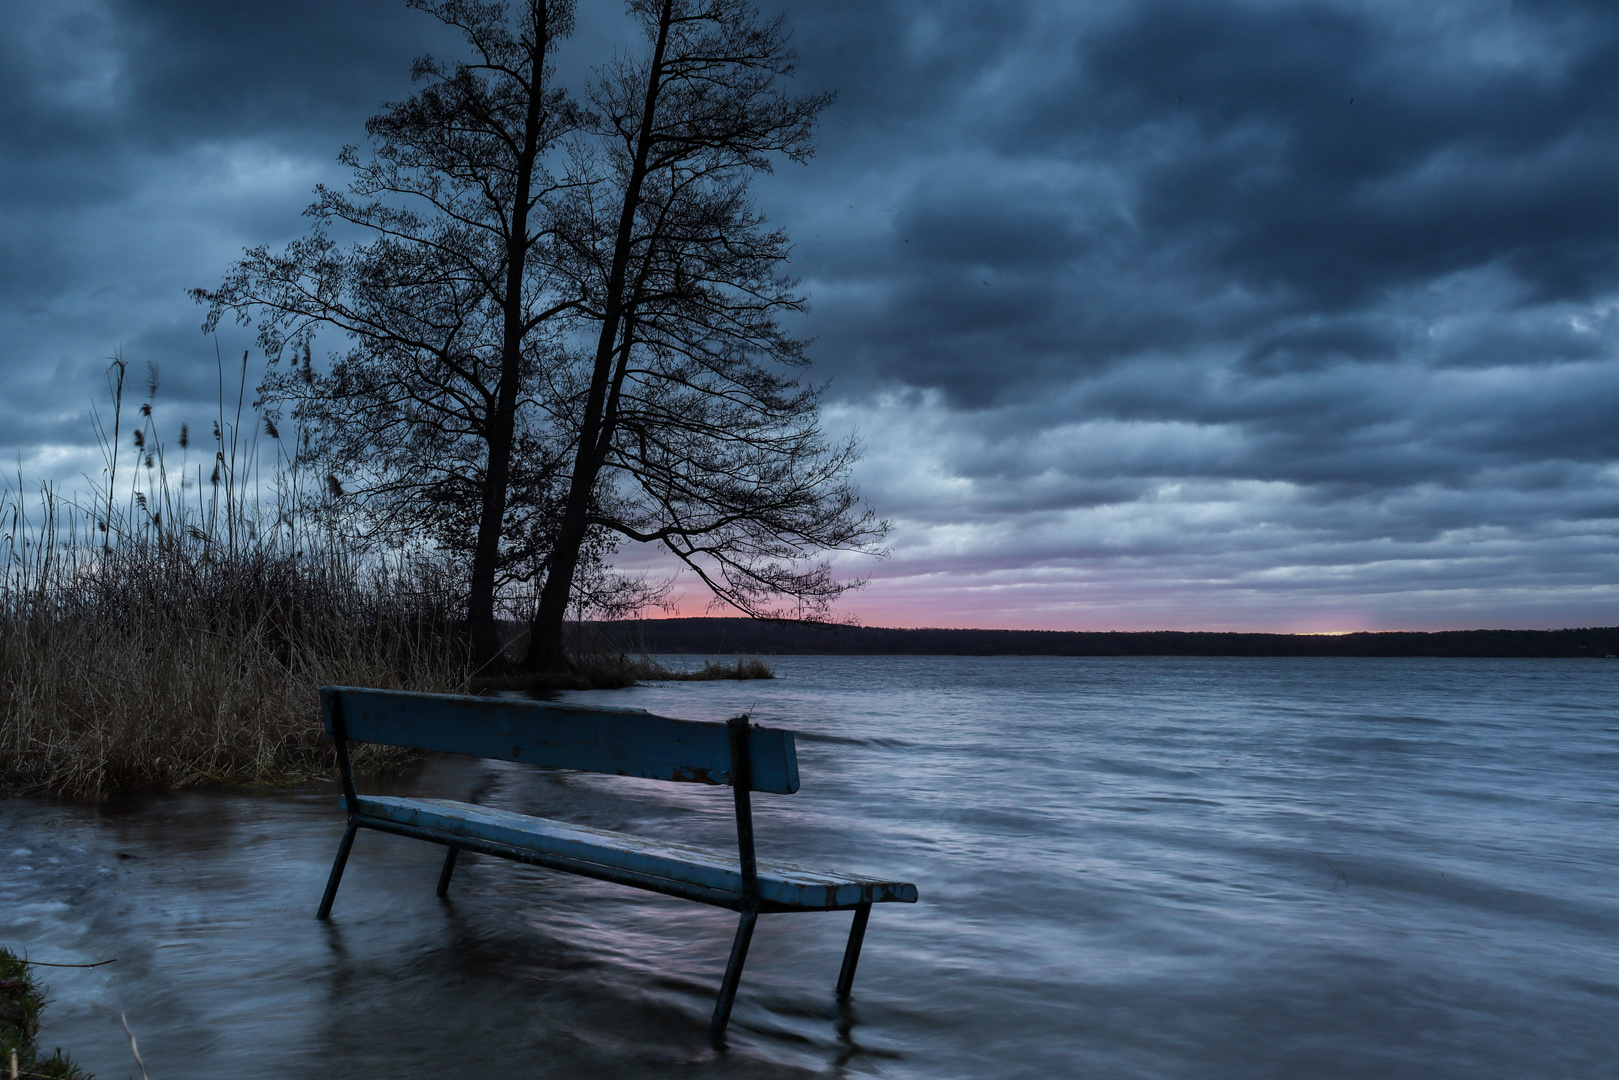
(172, 625)
(173, 629)
(743, 667)
(166, 662)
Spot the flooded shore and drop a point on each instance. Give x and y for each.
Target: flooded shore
(1147, 867)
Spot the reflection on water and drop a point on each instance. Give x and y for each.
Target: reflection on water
(1129, 868)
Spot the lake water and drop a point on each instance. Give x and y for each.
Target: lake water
(1147, 867)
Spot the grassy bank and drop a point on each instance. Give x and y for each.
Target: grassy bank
(743, 667)
(602, 670)
(21, 1001)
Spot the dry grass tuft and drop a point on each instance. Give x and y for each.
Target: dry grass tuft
(613, 670)
(744, 667)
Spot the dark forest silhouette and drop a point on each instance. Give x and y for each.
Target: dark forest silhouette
(725, 636)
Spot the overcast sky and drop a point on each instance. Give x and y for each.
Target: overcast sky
(1155, 315)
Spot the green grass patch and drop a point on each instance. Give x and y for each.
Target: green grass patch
(22, 999)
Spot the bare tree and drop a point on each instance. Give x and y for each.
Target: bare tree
(540, 367)
(428, 425)
(689, 427)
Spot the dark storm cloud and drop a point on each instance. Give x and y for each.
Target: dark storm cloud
(1336, 153)
(1302, 281)
(1152, 313)
(86, 78)
(1314, 157)
(138, 143)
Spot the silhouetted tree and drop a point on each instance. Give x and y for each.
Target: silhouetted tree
(428, 422)
(688, 426)
(563, 326)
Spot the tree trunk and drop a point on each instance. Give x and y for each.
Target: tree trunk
(487, 652)
(545, 651)
(545, 645)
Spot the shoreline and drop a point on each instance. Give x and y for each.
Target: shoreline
(730, 636)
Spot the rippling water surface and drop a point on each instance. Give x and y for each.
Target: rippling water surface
(1129, 868)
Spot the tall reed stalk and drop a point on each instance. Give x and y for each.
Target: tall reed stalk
(173, 629)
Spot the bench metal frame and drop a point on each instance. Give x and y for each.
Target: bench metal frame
(748, 903)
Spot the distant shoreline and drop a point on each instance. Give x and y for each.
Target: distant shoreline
(722, 636)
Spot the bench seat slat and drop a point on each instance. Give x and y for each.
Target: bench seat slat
(780, 883)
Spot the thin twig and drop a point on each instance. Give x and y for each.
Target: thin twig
(133, 1049)
(47, 963)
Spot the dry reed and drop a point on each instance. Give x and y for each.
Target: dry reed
(162, 663)
(167, 630)
(170, 632)
(743, 667)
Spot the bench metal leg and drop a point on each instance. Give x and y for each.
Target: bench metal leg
(449, 868)
(733, 976)
(337, 873)
(851, 954)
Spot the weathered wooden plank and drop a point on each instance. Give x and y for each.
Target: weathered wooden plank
(780, 883)
(666, 886)
(625, 742)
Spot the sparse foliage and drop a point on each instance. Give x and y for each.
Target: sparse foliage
(564, 327)
(427, 423)
(689, 427)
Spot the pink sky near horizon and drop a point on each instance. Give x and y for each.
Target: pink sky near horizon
(914, 589)
(962, 604)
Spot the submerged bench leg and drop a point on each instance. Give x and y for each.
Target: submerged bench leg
(337, 873)
(449, 868)
(733, 975)
(851, 954)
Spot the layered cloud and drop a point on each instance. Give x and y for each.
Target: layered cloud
(1227, 313)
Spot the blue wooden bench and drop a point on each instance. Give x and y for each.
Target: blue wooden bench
(623, 742)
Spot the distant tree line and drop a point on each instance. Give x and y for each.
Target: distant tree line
(721, 636)
(560, 325)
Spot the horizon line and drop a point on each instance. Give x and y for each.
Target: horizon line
(832, 624)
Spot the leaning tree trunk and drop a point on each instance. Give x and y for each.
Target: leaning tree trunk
(545, 650)
(487, 648)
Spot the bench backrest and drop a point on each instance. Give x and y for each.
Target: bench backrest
(622, 742)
